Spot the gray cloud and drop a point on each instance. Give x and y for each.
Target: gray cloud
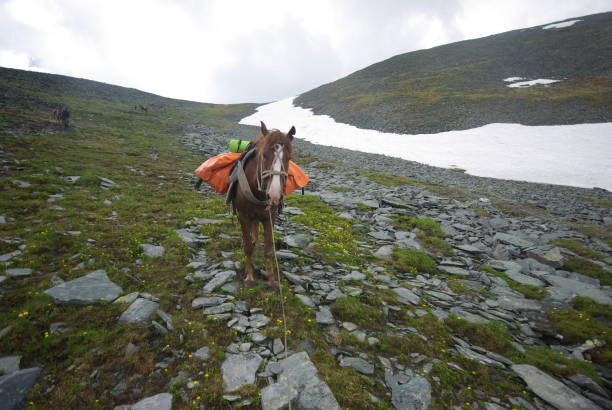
(236, 51)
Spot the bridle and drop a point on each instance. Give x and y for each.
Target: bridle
(264, 177)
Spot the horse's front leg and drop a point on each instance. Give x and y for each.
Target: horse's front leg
(246, 226)
(269, 253)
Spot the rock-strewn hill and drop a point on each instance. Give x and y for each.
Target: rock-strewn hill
(461, 85)
(405, 285)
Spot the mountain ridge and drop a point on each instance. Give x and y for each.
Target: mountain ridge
(461, 85)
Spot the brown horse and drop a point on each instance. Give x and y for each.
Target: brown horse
(145, 108)
(261, 182)
(62, 115)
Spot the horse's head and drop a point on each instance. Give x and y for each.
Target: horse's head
(274, 151)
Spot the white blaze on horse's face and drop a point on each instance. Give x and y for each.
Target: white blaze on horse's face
(275, 191)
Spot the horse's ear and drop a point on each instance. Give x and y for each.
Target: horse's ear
(264, 130)
(291, 132)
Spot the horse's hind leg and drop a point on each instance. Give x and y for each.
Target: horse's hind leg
(269, 253)
(248, 245)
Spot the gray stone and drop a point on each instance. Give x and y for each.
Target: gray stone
(139, 312)
(219, 280)
(92, 288)
(551, 257)
(524, 279)
(406, 296)
(209, 301)
(355, 275)
(300, 373)
(324, 316)
(577, 288)
(162, 401)
(588, 383)
(14, 387)
(414, 395)
(518, 304)
(297, 241)
(131, 349)
(19, 272)
(512, 240)
(258, 320)
(277, 346)
(202, 353)
(306, 300)
(349, 326)
(152, 251)
(552, 390)
(191, 239)
(239, 370)
(8, 256)
(278, 396)
(469, 248)
(127, 299)
(358, 364)
(333, 295)
(380, 235)
(21, 184)
(453, 270)
(297, 279)
(222, 308)
(384, 252)
(9, 364)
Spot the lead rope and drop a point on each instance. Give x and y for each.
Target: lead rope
(282, 298)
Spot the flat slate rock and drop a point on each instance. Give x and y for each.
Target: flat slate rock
(552, 390)
(324, 316)
(239, 370)
(139, 312)
(162, 401)
(301, 374)
(19, 272)
(574, 287)
(152, 251)
(358, 364)
(524, 279)
(14, 388)
(9, 364)
(518, 304)
(92, 288)
(406, 296)
(220, 279)
(512, 240)
(453, 270)
(278, 396)
(414, 395)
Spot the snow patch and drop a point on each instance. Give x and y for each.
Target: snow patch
(575, 155)
(561, 25)
(513, 79)
(525, 84)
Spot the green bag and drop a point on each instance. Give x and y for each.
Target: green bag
(238, 145)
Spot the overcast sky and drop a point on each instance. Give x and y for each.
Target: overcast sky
(230, 51)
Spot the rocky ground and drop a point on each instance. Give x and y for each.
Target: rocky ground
(479, 233)
(407, 286)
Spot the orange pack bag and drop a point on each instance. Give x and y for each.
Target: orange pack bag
(216, 172)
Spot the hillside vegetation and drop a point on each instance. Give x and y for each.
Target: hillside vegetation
(461, 85)
(403, 291)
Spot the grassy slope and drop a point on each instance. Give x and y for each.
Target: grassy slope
(459, 85)
(85, 363)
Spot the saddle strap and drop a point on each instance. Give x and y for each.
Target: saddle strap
(243, 184)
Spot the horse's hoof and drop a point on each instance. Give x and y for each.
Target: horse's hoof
(248, 284)
(273, 285)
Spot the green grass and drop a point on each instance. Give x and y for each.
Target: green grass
(603, 233)
(413, 261)
(429, 232)
(578, 247)
(588, 268)
(336, 239)
(351, 309)
(389, 179)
